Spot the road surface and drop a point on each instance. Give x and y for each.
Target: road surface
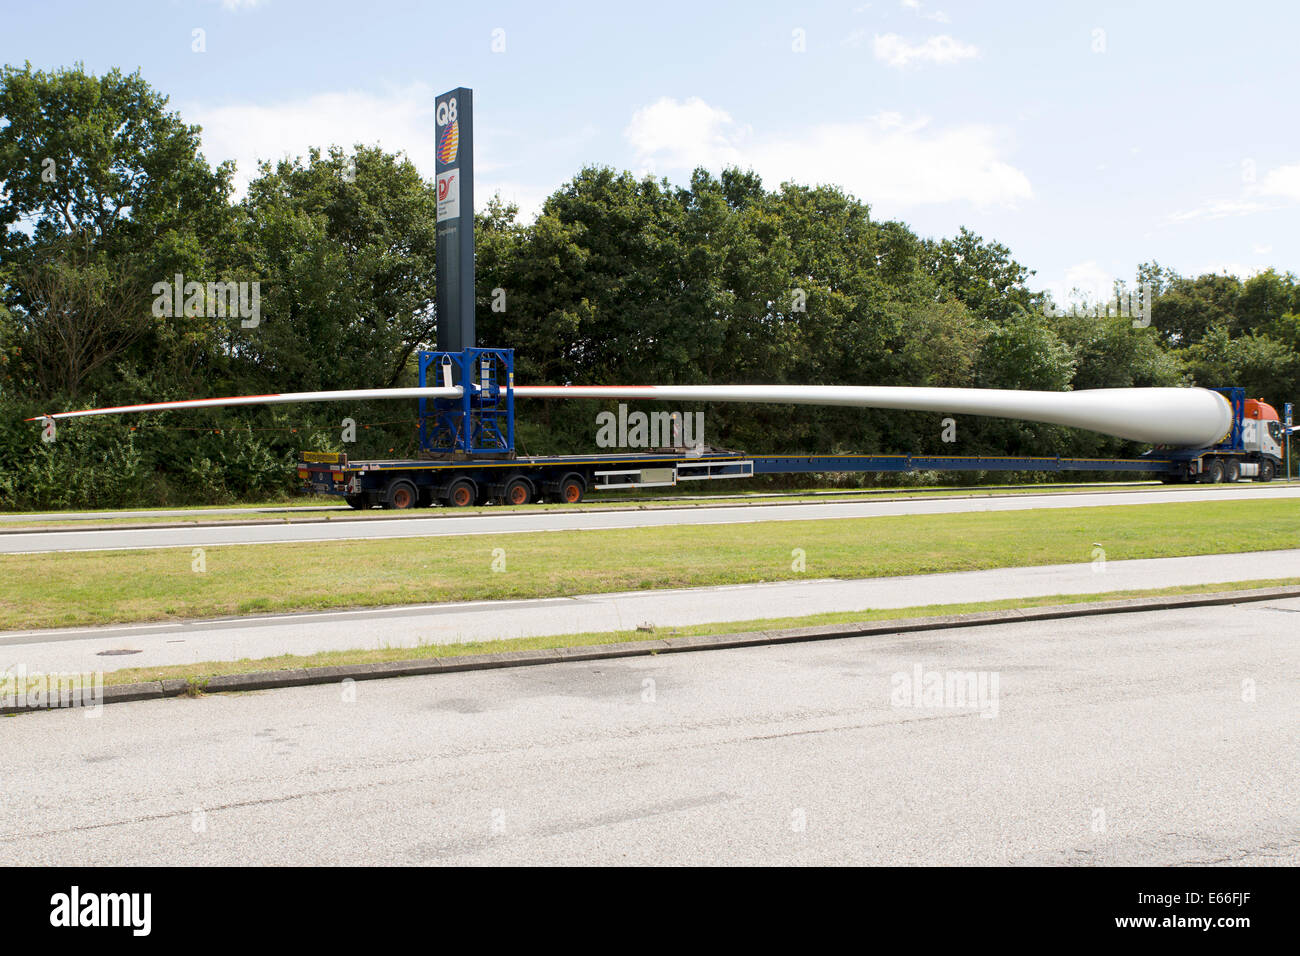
(89, 649)
(440, 522)
(1161, 738)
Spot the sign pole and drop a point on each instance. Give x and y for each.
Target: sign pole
(454, 168)
(1287, 415)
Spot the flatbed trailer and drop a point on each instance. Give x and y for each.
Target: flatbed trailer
(568, 478)
(465, 481)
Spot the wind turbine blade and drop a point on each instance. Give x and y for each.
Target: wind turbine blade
(1195, 417)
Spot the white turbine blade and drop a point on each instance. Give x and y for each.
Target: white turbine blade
(1160, 416)
(1194, 417)
(349, 395)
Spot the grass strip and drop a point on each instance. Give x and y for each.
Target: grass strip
(103, 587)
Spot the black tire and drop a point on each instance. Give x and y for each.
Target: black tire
(1231, 470)
(460, 493)
(400, 495)
(571, 489)
(519, 491)
(356, 501)
(1213, 471)
(1266, 471)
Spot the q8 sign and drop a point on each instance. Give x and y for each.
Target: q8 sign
(454, 167)
(448, 120)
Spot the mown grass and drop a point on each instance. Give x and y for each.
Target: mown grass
(86, 588)
(198, 672)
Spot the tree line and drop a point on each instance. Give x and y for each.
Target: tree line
(129, 273)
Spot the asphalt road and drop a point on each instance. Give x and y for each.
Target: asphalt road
(78, 650)
(1158, 738)
(439, 522)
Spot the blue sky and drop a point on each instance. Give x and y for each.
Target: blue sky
(1086, 136)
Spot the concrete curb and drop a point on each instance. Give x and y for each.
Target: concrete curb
(269, 680)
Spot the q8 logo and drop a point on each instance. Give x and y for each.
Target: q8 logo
(449, 135)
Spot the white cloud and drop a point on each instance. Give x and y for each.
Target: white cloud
(1282, 181)
(938, 16)
(684, 135)
(240, 4)
(1219, 209)
(401, 120)
(527, 197)
(1224, 267)
(887, 160)
(398, 120)
(1083, 282)
(897, 52)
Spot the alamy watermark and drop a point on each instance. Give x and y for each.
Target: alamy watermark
(649, 430)
(20, 690)
(181, 299)
(76, 908)
(1125, 305)
(946, 690)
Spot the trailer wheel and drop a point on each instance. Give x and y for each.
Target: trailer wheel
(1213, 471)
(356, 501)
(518, 492)
(571, 489)
(1265, 471)
(401, 494)
(1231, 470)
(460, 493)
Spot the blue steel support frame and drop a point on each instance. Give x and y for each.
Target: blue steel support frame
(1236, 396)
(482, 420)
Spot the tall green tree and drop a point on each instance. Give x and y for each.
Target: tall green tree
(105, 193)
(1188, 308)
(346, 249)
(1264, 299)
(983, 275)
(1265, 367)
(1110, 352)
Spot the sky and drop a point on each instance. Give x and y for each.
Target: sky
(1088, 137)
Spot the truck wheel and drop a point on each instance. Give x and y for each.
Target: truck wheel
(401, 494)
(518, 492)
(571, 489)
(1265, 471)
(1231, 470)
(356, 501)
(460, 493)
(1213, 471)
